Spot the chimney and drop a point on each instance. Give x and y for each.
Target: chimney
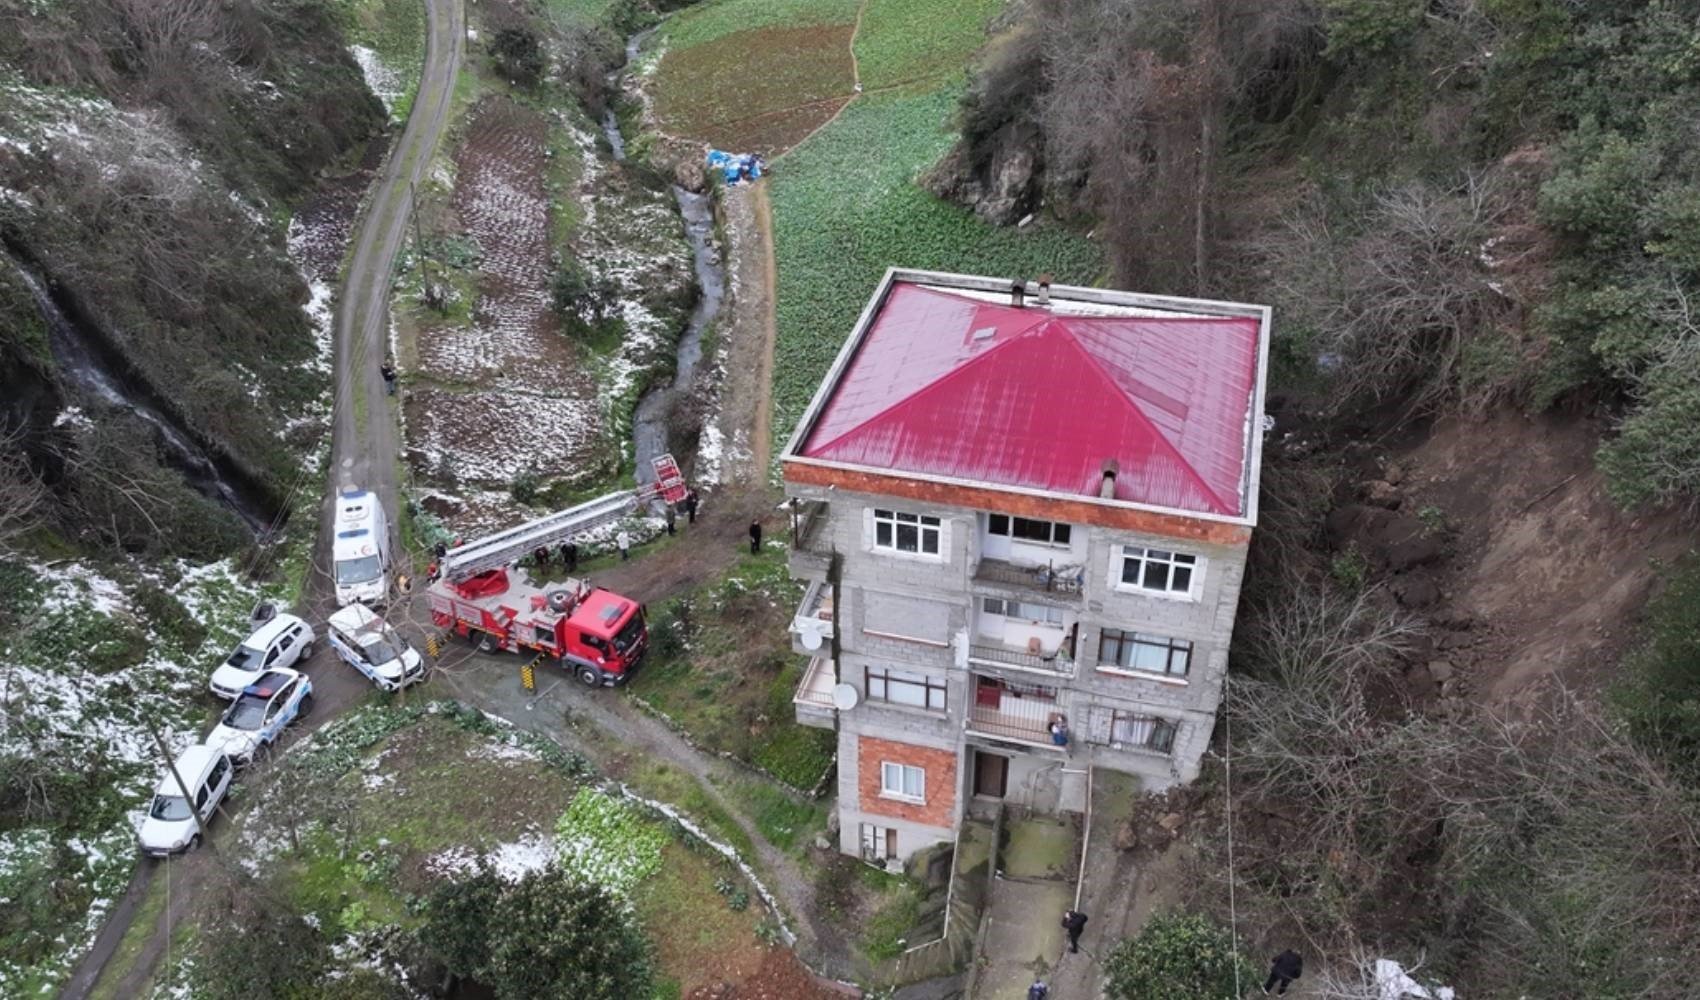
(1107, 488)
(1044, 289)
(1018, 293)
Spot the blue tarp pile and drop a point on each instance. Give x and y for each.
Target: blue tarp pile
(736, 167)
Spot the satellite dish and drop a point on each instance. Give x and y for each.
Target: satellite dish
(844, 697)
(811, 639)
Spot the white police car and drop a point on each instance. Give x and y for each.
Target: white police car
(261, 712)
(169, 826)
(282, 641)
(368, 644)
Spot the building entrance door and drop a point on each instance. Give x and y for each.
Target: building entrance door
(991, 774)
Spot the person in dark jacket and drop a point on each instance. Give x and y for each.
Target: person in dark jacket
(569, 556)
(1038, 991)
(691, 507)
(1285, 968)
(670, 519)
(387, 370)
(1074, 922)
(755, 538)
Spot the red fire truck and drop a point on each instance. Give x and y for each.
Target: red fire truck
(598, 635)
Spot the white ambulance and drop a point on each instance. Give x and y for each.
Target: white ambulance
(360, 549)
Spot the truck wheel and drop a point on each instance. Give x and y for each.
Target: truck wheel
(590, 677)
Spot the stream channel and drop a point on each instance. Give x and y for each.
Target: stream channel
(649, 420)
(87, 365)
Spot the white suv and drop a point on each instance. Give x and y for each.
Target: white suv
(282, 641)
(170, 826)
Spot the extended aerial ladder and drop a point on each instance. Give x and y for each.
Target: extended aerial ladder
(507, 547)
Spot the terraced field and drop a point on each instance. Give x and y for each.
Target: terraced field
(845, 200)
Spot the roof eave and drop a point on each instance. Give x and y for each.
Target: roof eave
(981, 484)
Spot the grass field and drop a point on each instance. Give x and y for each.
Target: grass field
(722, 668)
(846, 207)
(907, 40)
(422, 793)
(393, 34)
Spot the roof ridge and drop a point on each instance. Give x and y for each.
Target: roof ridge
(927, 386)
(1157, 432)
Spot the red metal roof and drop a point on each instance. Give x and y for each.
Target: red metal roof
(951, 385)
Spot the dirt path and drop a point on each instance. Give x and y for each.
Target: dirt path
(363, 452)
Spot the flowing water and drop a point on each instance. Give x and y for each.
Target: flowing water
(84, 367)
(649, 421)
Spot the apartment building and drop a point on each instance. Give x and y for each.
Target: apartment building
(1022, 512)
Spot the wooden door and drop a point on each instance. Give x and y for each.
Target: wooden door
(991, 774)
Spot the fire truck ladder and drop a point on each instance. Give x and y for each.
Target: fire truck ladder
(506, 547)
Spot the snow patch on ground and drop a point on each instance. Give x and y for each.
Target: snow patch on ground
(384, 82)
(512, 861)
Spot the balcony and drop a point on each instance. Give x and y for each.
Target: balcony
(811, 552)
(812, 626)
(813, 699)
(1014, 713)
(1062, 583)
(986, 653)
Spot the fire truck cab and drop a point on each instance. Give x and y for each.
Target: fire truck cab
(598, 635)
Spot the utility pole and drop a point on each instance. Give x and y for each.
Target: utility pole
(182, 786)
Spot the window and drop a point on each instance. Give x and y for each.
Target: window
(216, 775)
(1157, 571)
(902, 532)
(1138, 651)
(903, 781)
(1025, 529)
(272, 656)
(878, 842)
(904, 687)
(1144, 731)
(1022, 610)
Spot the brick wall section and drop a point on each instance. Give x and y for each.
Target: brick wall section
(940, 765)
(1044, 508)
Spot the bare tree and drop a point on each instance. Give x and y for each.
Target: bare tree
(23, 496)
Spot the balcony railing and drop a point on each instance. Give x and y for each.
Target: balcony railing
(815, 689)
(1061, 581)
(808, 522)
(1012, 717)
(815, 611)
(998, 655)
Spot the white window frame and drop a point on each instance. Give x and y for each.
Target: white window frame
(879, 683)
(924, 525)
(1120, 554)
(902, 772)
(1001, 607)
(1009, 530)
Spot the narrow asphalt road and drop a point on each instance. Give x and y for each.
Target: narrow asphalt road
(364, 453)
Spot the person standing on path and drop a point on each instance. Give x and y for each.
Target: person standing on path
(755, 538)
(691, 507)
(387, 370)
(569, 556)
(1283, 969)
(1074, 922)
(624, 541)
(1038, 991)
(670, 517)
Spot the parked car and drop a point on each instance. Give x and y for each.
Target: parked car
(257, 717)
(169, 827)
(281, 641)
(368, 644)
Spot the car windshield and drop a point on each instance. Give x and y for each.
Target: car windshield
(354, 571)
(629, 635)
(248, 712)
(244, 658)
(379, 648)
(169, 807)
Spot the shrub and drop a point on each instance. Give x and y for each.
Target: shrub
(259, 945)
(1178, 956)
(554, 936)
(518, 54)
(1659, 696)
(458, 917)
